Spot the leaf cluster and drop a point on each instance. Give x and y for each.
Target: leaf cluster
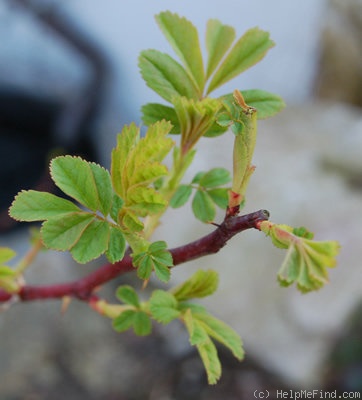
(166, 306)
(306, 260)
(187, 83)
(208, 193)
(110, 205)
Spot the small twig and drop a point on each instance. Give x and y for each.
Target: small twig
(83, 289)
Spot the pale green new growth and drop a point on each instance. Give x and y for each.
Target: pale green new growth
(122, 207)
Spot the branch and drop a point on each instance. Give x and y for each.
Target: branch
(83, 288)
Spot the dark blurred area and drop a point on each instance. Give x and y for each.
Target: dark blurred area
(36, 126)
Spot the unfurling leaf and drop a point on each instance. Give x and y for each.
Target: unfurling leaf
(306, 261)
(133, 171)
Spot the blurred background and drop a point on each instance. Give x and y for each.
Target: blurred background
(69, 81)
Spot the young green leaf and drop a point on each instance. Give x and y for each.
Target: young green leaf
(166, 76)
(92, 243)
(221, 332)
(163, 306)
(181, 196)
(31, 205)
(200, 284)
(219, 38)
(117, 245)
(210, 359)
(184, 39)
(197, 333)
(154, 112)
(124, 321)
(142, 324)
(204, 345)
(145, 200)
(215, 177)
(220, 196)
(128, 295)
(126, 142)
(88, 183)
(203, 207)
(195, 118)
(62, 232)
(246, 52)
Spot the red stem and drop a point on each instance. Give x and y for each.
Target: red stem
(83, 288)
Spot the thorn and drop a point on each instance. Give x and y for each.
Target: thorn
(65, 304)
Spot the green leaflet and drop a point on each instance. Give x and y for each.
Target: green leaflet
(166, 76)
(163, 306)
(181, 196)
(128, 295)
(219, 38)
(206, 348)
(203, 207)
(117, 245)
(220, 196)
(246, 52)
(200, 284)
(92, 243)
(157, 258)
(63, 231)
(139, 320)
(31, 205)
(88, 183)
(184, 39)
(215, 177)
(221, 332)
